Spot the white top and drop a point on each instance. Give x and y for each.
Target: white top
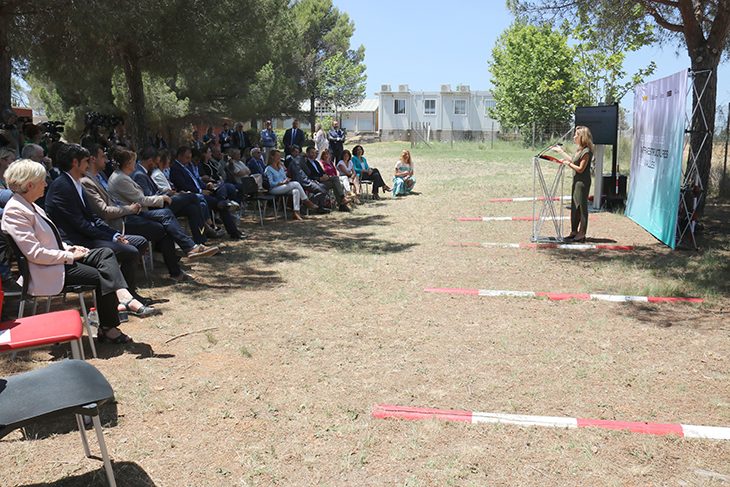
(347, 166)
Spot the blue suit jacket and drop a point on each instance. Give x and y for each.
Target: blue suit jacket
(76, 223)
(140, 176)
(182, 179)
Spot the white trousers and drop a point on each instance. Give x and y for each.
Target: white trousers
(295, 188)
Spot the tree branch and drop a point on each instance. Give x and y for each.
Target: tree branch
(658, 18)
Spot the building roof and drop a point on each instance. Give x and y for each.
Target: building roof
(367, 105)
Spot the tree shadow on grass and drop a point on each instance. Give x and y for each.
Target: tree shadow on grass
(125, 473)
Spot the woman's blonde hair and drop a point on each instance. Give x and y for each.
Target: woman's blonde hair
(22, 172)
(317, 127)
(403, 155)
(585, 138)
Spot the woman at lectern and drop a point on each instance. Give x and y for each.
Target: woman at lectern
(580, 163)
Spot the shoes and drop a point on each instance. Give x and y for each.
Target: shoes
(200, 251)
(386, 188)
(345, 208)
(213, 233)
(144, 301)
(118, 340)
(323, 211)
(239, 236)
(184, 277)
(123, 317)
(228, 205)
(578, 240)
(376, 196)
(11, 286)
(142, 312)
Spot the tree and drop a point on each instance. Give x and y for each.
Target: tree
(342, 83)
(323, 33)
(702, 26)
(531, 69)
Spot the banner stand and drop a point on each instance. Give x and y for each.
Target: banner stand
(548, 211)
(692, 192)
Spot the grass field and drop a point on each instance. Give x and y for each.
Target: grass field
(301, 330)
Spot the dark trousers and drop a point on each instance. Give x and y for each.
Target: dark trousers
(226, 216)
(100, 268)
(155, 232)
(127, 256)
(375, 177)
(317, 193)
(335, 185)
(165, 217)
(186, 204)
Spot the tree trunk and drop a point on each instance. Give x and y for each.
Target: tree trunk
(6, 64)
(312, 114)
(135, 91)
(704, 64)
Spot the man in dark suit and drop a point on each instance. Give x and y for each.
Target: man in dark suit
(293, 136)
(240, 139)
(336, 138)
(317, 192)
(183, 177)
(182, 204)
(67, 206)
(314, 171)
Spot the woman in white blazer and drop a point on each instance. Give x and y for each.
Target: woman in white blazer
(52, 262)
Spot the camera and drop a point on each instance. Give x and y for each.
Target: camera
(51, 130)
(100, 120)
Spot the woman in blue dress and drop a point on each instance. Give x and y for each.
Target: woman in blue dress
(403, 181)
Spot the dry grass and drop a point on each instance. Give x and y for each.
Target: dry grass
(318, 321)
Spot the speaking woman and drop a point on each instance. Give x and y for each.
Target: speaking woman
(581, 164)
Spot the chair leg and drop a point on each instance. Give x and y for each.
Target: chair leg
(82, 430)
(104, 452)
(261, 216)
(276, 212)
(82, 303)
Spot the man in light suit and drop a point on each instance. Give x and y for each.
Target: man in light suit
(293, 136)
(67, 205)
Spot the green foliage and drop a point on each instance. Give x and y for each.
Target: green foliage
(342, 82)
(161, 101)
(531, 71)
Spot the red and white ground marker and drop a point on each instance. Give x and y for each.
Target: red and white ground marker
(383, 411)
(560, 296)
(528, 198)
(514, 218)
(568, 246)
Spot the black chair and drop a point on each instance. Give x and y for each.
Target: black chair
(65, 387)
(79, 289)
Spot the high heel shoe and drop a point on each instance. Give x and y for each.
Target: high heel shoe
(141, 312)
(117, 340)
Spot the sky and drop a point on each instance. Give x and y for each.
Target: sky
(426, 44)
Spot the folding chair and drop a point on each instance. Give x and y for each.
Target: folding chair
(65, 387)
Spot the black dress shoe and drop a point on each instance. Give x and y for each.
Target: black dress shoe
(323, 211)
(344, 208)
(228, 205)
(239, 236)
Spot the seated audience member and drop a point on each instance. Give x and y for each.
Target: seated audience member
(239, 170)
(317, 192)
(209, 172)
(195, 142)
(346, 169)
(53, 263)
(225, 137)
(314, 171)
(292, 153)
(160, 178)
(240, 139)
(182, 175)
(293, 136)
(123, 188)
(268, 140)
(70, 210)
(366, 173)
(281, 184)
(181, 204)
(209, 138)
(331, 171)
(257, 167)
(159, 143)
(7, 156)
(403, 180)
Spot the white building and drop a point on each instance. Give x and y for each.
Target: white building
(462, 109)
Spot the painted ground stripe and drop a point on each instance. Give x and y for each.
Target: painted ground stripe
(542, 246)
(383, 411)
(542, 198)
(513, 218)
(561, 296)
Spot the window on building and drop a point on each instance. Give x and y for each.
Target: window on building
(429, 107)
(459, 107)
(399, 107)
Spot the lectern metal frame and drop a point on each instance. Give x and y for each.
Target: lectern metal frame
(550, 193)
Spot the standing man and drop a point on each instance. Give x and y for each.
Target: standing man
(240, 139)
(196, 143)
(11, 130)
(293, 136)
(336, 138)
(268, 141)
(225, 137)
